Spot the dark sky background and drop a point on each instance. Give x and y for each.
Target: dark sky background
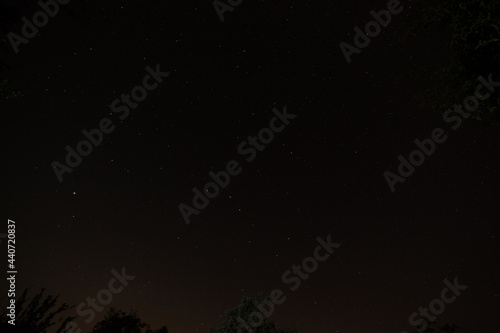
(322, 175)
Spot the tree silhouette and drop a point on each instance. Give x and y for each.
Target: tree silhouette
(432, 327)
(7, 92)
(117, 321)
(232, 319)
(7, 16)
(36, 314)
(475, 51)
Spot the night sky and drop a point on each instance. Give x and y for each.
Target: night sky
(323, 174)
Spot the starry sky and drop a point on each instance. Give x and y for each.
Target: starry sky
(322, 175)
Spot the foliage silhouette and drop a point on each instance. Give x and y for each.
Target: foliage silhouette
(475, 50)
(36, 314)
(231, 324)
(432, 327)
(117, 321)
